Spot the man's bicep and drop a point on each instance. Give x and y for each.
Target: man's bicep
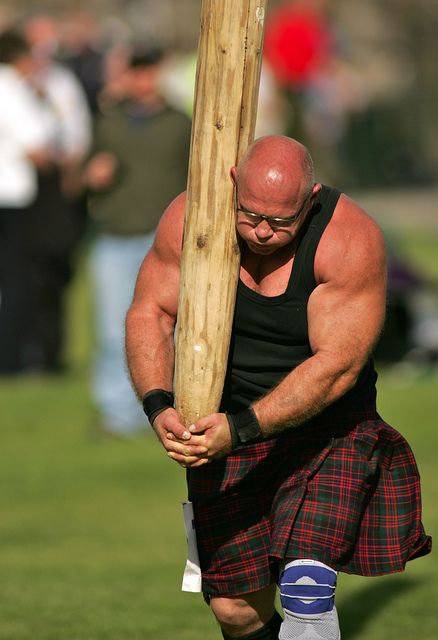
(157, 286)
(345, 321)
(346, 311)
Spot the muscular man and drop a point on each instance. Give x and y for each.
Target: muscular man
(297, 477)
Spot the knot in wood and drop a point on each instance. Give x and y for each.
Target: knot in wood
(201, 241)
(219, 125)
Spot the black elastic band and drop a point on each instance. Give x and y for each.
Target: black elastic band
(244, 427)
(156, 401)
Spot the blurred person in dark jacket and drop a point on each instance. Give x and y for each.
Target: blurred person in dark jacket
(140, 162)
(25, 136)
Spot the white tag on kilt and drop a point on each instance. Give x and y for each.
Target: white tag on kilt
(192, 579)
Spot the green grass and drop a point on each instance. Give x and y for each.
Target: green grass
(92, 541)
(92, 538)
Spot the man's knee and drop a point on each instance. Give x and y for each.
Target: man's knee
(234, 614)
(307, 595)
(242, 615)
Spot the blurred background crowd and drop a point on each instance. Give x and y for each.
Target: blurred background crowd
(96, 101)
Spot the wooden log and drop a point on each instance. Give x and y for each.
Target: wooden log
(225, 109)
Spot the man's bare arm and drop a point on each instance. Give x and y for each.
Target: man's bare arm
(151, 317)
(345, 317)
(150, 324)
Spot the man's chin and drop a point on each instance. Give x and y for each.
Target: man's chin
(262, 249)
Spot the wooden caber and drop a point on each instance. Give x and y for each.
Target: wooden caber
(225, 109)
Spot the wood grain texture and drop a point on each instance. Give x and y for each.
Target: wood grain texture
(225, 109)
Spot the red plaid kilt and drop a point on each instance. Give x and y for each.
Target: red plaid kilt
(343, 489)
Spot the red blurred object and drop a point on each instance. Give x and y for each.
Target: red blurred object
(298, 41)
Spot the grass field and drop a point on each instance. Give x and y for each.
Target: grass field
(92, 542)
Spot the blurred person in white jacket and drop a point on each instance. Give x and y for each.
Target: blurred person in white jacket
(61, 90)
(59, 212)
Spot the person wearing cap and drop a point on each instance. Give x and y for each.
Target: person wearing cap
(139, 163)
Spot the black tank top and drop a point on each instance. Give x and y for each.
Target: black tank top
(270, 334)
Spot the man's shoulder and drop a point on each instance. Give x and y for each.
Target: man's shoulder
(352, 236)
(170, 228)
(352, 220)
(176, 208)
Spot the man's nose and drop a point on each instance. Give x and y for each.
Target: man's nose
(264, 230)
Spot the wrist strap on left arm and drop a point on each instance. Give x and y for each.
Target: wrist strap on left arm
(244, 427)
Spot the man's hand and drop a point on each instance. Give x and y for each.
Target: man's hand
(101, 170)
(180, 445)
(211, 434)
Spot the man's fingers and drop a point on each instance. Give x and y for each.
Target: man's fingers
(194, 440)
(199, 463)
(184, 449)
(201, 425)
(187, 461)
(168, 422)
(178, 434)
(181, 433)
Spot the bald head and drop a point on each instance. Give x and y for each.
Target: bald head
(276, 167)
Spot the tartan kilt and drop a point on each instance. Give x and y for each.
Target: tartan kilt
(343, 489)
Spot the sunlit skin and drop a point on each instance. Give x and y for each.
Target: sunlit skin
(272, 180)
(345, 314)
(271, 191)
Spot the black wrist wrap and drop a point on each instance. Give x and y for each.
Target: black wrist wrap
(156, 401)
(244, 427)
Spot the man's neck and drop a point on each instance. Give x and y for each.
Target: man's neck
(259, 266)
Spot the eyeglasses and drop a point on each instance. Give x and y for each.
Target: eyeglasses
(274, 223)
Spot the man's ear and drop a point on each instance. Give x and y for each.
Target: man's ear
(316, 189)
(233, 172)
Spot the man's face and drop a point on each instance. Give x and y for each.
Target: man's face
(143, 82)
(266, 225)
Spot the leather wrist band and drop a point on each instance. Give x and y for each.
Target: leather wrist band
(156, 401)
(244, 427)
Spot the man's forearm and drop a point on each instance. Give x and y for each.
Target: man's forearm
(150, 354)
(305, 392)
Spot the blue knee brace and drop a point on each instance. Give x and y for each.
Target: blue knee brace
(307, 594)
(307, 587)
